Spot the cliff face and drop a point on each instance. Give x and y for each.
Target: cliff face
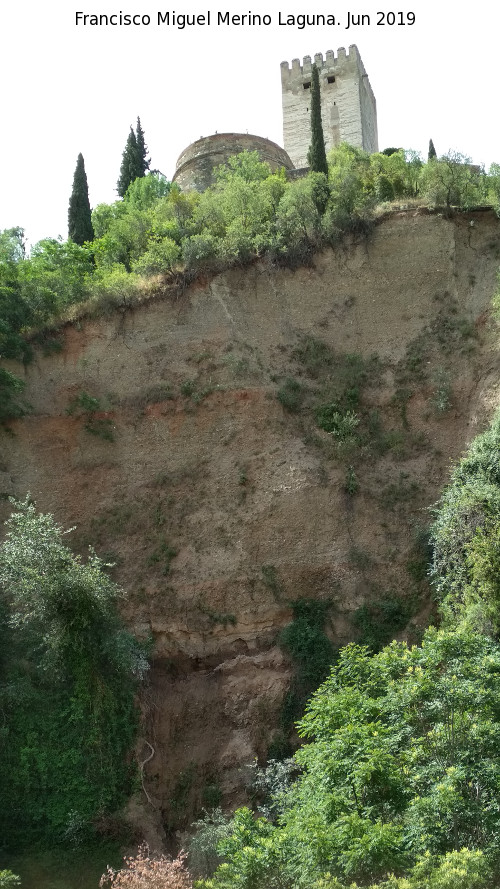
(219, 506)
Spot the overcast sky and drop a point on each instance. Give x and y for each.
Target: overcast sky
(69, 88)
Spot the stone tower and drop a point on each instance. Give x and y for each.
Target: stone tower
(348, 107)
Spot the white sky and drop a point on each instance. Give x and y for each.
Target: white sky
(67, 89)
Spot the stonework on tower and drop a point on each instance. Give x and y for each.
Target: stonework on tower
(348, 107)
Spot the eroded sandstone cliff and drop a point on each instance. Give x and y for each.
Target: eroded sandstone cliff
(220, 503)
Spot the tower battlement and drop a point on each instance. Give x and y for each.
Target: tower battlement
(348, 107)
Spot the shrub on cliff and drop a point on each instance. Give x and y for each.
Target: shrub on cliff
(147, 871)
(466, 537)
(68, 673)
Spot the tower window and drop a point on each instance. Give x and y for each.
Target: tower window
(330, 79)
(307, 86)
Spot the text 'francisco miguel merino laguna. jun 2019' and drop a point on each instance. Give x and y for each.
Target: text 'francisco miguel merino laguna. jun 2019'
(347, 19)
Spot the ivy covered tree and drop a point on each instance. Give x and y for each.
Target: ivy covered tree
(79, 213)
(68, 673)
(316, 155)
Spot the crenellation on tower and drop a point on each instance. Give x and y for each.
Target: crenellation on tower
(348, 107)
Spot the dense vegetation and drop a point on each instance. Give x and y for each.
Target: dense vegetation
(400, 776)
(157, 231)
(68, 674)
(250, 211)
(400, 781)
(466, 537)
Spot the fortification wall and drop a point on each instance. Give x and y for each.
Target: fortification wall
(196, 164)
(348, 105)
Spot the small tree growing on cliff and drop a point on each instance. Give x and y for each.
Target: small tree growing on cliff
(316, 156)
(79, 215)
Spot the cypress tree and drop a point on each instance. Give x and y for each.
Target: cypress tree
(130, 167)
(316, 156)
(432, 151)
(142, 149)
(79, 216)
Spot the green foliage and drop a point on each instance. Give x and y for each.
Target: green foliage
(67, 684)
(452, 180)
(341, 425)
(142, 149)
(134, 160)
(312, 653)
(431, 154)
(378, 620)
(441, 397)
(420, 563)
(351, 485)
(465, 536)
(111, 288)
(83, 402)
(15, 312)
(54, 278)
(11, 405)
(210, 831)
(211, 795)
(101, 428)
(267, 785)
(493, 186)
(160, 257)
(400, 777)
(129, 169)
(316, 156)
(249, 212)
(79, 215)
(270, 578)
(85, 405)
(305, 640)
(290, 395)
(164, 554)
(8, 879)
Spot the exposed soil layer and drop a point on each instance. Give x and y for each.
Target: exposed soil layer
(220, 502)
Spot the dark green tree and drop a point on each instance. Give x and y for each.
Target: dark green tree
(431, 154)
(130, 167)
(142, 149)
(68, 678)
(79, 215)
(135, 162)
(316, 156)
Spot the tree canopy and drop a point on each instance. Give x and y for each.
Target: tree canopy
(135, 162)
(400, 775)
